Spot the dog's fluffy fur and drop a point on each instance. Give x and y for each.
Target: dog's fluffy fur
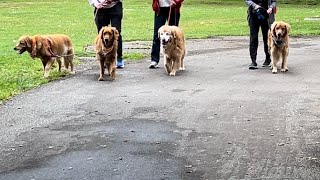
(48, 48)
(173, 48)
(106, 45)
(278, 43)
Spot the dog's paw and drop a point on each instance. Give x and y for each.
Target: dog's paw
(284, 70)
(172, 74)
(72, 72)
(182, 69)
(168, 70)
(100, 79)
(274, 70)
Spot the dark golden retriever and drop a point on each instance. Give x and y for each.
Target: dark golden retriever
(48, 48)
(106, 45)
(173, 48)
(278, 43)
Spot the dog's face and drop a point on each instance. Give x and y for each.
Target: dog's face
(280, 29)
(108, 35)
(166, 36)
(24, 43)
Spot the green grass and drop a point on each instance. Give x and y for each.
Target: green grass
(199, 19)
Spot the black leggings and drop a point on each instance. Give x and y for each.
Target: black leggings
(255, 25)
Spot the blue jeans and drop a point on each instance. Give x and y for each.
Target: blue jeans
(160, 20)
(114, 16)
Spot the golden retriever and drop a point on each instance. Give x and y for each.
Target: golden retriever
(173, 48)
(48, 48)
(106, 45)
(278, 44)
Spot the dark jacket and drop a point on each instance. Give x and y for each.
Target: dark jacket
(271, 4)
(156, 5)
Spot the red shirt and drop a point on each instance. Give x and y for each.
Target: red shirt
(156, 5)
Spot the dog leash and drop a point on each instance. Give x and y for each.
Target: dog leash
(95, 14)
(169, 16)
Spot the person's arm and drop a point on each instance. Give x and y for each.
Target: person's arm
(250, 3)
(272, 6)
(176, 2)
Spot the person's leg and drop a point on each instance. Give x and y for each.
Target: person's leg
(254, 32)
(265, 29)
(174, 18)
(101, 18)
(116, 14)
(159, 20)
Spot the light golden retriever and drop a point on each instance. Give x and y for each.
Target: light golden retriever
(173, 48)
(48, 48)
(106, 45)
(278, 43)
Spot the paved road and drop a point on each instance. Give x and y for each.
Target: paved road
(216, 120)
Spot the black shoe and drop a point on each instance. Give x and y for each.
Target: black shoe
(266, 63)
(253, 65)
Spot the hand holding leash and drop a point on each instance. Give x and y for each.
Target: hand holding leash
(257, 7)
(99, 4)
(173, 3)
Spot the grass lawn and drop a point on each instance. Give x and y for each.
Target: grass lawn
(199, 19)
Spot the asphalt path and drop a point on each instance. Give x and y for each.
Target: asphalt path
(216, 120)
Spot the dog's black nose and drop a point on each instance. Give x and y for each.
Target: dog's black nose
(279, 34)
(106, 41)
(15, 48)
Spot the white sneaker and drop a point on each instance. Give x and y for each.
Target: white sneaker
(153, 65)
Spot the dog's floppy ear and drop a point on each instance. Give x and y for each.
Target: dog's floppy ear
(115, 33)
(38, 42)
(273, 29)
(98, 40)
(29, 41)
(47, 42)
(173, 32)
(101, 32)
(287, 27)
(34, 46)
